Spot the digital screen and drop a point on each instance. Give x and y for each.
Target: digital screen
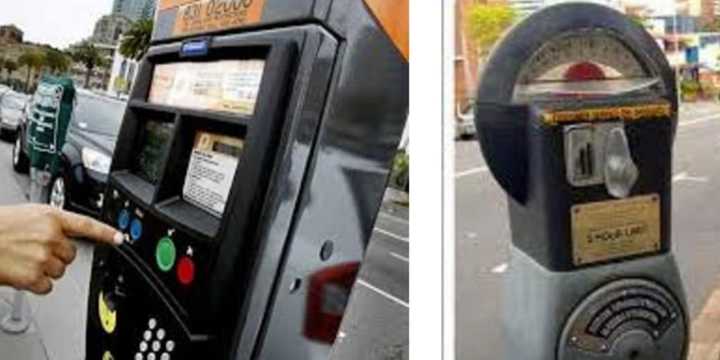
(156, 137)
(226, 86)
(211, 171)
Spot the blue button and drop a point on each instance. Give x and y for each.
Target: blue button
(124, 219)
(136, 229)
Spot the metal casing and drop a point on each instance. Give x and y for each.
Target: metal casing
(342, 113)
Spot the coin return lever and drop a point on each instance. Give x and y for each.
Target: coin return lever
(600, 154)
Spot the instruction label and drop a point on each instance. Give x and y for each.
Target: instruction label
(613, 229)
(211, 171)
(227, 85)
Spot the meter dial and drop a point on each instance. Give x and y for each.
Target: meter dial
(625, 319)
(586, 63)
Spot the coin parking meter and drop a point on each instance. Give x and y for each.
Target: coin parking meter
(249, 169)
(576, 115)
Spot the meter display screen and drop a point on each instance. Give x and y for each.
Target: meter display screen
(156, 138)
(211, 171)
(226, 86)
(583, 63)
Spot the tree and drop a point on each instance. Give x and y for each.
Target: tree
(637, 19)
(10, 67)
(136, 41)
(89, 56)
(486, 23)
(712, 26)
(34, 61)
(56, 61)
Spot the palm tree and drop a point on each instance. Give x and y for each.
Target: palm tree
(34, 62)
(56, 61)
(136, 41)
(10, 67)
(89, 56)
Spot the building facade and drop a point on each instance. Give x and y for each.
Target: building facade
(527, 7)
(134, 9)
(10, 34)
(109, 29)
(122, 75)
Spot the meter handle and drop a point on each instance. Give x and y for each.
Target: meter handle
(621, 172)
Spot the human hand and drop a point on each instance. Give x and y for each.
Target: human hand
(35, 246)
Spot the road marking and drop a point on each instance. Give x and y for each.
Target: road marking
(383, 293)
(698, 120)
(683, 176)
(399, 257)
(393, 217)
(473, 171)
(392, 235)
(500, 268)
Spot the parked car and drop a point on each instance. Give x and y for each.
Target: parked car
(465, 121)
(12, 106)
(86, 155)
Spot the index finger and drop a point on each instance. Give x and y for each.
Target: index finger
(75, 225)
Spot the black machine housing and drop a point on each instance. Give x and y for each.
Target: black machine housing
(330, 112)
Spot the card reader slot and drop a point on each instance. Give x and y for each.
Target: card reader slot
(190, 216)
(133, 186)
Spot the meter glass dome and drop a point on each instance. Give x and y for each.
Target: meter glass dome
(590, 63)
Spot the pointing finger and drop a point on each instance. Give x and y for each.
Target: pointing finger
(75, 225)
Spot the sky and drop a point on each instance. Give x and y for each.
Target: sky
(62, 22)
(55, 22)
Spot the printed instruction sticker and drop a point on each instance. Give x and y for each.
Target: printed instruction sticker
(211, 171)
(227, 85)
(613, 229)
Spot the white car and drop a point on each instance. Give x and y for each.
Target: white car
(465, 121)
(12, 109)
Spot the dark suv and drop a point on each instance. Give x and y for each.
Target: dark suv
(86, 155)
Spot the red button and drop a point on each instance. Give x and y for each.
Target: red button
(186, 270)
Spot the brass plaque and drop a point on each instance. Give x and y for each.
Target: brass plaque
(614, 229)
(212, 15)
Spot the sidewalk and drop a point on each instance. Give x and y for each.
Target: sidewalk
(705, 330)
(57, 331)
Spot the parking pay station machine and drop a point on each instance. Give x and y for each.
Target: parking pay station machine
(250, 167)
(576, 114)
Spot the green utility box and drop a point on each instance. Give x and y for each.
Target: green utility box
(52, 107)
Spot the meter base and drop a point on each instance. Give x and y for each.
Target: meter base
(538, 302)
(13, 326)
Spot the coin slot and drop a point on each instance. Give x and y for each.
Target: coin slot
(581, 155)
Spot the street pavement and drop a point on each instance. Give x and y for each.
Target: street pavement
(483, 234)
(375, 325)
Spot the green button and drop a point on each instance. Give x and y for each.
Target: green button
(165, 254)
